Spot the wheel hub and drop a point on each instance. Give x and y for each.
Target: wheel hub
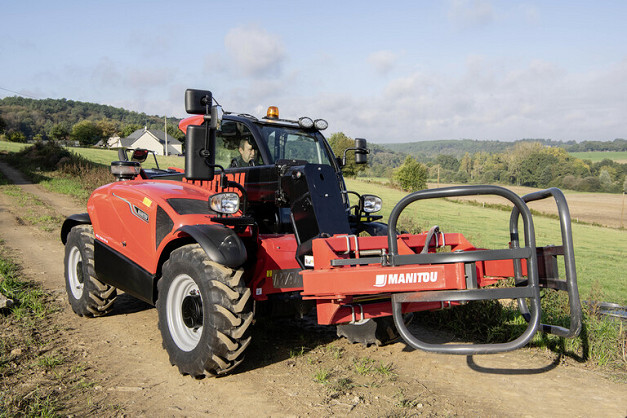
(79, 272)
(191, 310)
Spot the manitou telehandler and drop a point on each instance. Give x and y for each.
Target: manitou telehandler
(279, 229)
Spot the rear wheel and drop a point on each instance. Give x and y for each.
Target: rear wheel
(87, 295)
(205, 312)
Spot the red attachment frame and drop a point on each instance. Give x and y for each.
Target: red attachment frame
(353, 293)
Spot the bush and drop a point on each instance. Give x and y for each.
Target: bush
(411, 176)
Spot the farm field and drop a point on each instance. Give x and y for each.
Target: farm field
(104, 156)
(599, 251)
(605, 209)
(595, 156)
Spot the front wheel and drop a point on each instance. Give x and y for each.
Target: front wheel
(88, 296)
(205, 312)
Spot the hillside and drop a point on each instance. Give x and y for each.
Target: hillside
(35, 118)
(427, 150)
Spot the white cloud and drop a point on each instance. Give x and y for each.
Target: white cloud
(489, 101)
(383, 61)
(256, 52)
(469, 13)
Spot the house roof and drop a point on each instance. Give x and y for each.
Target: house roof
(157, 134)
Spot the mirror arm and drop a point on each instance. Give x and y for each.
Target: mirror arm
(362, 150)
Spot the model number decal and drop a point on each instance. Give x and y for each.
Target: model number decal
(134, 209)
(382, 280)
(140, 214)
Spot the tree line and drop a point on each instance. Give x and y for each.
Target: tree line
(426, 150)
(523, 163)
(530, 164)
(23, 119)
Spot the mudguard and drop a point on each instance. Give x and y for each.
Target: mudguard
(221, 244)
(71, 221)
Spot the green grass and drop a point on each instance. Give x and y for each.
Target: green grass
(105, 156)
(599, 252)
(322, 376)
(28, 300)
(12, 146)
(596, 156)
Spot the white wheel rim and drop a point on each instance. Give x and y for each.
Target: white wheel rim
(185, 338)
(75, 272)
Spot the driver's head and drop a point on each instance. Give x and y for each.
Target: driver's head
(246, 150)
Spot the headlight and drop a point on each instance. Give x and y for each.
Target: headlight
(227, 203)
(370, 203)
(305, 122)
(321, 124)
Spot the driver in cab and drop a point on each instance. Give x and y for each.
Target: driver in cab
(247, 155)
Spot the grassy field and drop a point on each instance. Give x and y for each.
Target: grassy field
(599, 252)
(12, 146)
(595, 156)
(104, 156)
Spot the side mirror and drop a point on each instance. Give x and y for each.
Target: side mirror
(361, 151)
(198, 102)
(200, 155)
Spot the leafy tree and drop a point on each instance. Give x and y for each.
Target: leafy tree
(3, 125)
(340, 142)
(86, 133)
(59, 132)
(129, 129)
(175, 132)
(16, 136)
(108, 127)
(411, 176)
(465, 165)
(447, 162)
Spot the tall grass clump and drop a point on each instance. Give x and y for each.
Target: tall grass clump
(60, 170)
(29, 301)
(602, 341)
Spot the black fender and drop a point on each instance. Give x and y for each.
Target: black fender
(71, 221)
(221, 244)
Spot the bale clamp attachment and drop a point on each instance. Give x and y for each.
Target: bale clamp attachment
(566, 249)
(528, 288)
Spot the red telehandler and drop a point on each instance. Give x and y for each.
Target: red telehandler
(261, 217)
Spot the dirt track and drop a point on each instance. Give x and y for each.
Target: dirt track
(132, 370)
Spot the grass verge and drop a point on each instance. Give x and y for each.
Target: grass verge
(602, 341)
(39, 375)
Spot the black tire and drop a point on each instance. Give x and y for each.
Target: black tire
(205, 313)
(88, 296)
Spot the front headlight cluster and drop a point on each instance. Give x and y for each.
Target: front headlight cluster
(370, 203)
(225, 203)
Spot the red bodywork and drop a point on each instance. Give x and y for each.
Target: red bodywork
(342, 293)
(123, 211)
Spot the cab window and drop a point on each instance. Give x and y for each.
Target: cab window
(235, 146)
(294, 144)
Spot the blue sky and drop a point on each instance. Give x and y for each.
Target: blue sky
(386, 71)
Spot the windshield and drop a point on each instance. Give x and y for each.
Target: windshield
(285, 143)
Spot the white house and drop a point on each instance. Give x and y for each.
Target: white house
(153, 140)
